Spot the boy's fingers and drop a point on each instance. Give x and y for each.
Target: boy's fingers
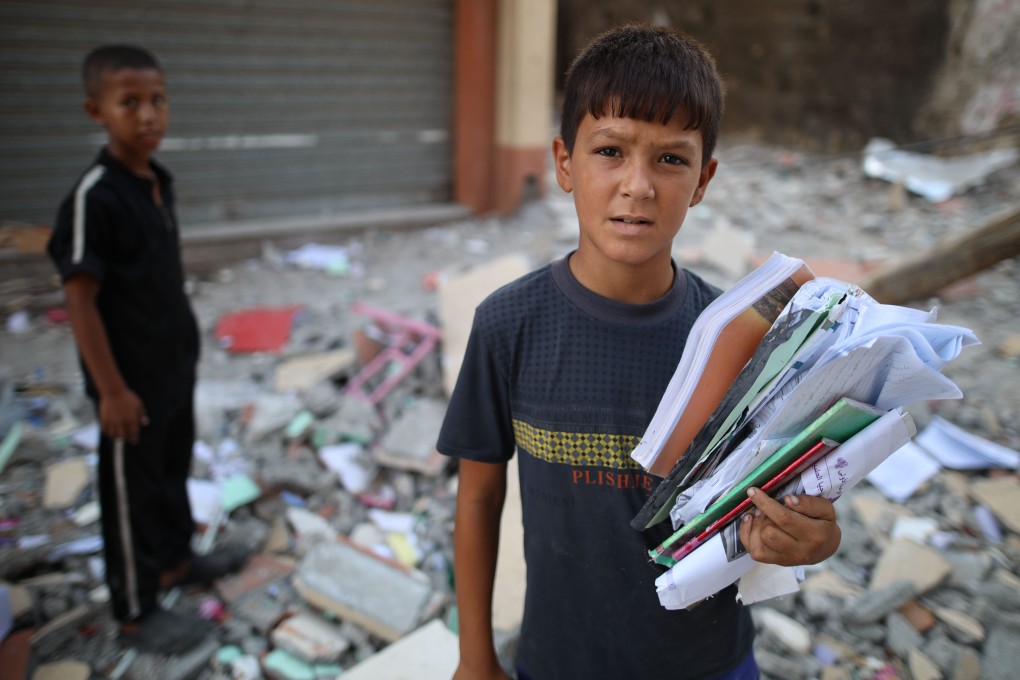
(814, 507)
(785, 513)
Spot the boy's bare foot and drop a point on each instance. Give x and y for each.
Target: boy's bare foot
(165, 632)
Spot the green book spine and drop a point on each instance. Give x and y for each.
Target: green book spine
(841, 421)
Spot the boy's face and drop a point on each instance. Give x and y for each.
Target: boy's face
(633, 182)
(132, 106)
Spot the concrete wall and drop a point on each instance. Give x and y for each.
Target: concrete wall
(830, 74)
(978, 87)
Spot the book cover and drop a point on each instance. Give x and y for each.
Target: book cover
(841, 421)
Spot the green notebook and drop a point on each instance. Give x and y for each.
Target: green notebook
(841, 421)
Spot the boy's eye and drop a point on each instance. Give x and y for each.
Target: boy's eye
(609, 152)
(670, 159)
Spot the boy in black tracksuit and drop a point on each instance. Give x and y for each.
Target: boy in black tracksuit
(115, 245)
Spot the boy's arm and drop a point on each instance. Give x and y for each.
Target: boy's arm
(121, 412)
(801, 530)
(481, 491)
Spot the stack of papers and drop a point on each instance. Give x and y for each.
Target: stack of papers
(813, 407)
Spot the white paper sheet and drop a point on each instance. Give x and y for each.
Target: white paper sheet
(718, 562)
(903, 473)
(958, 449)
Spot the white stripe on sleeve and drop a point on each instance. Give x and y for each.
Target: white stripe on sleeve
(87, 182)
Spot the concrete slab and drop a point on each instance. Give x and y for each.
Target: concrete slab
(429, 652)
(1002, 496)
(65, 480)
(380, 595)
(309, 638)
(410, 443)
(63, 670)
(301, 372)
(260, 570)
(907, 560)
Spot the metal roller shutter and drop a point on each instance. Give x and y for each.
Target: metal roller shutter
(279, 108)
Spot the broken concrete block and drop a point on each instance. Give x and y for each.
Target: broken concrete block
(65, 481)
(410, 443)
(790, 634)
(429, 652)
(381, 596)
(921, 667)
(260, 570)
(907, 560)
(302, 372)
(309, 527)
(1002, 496)
(830, 583)
(309, 638)
(962, 627)
(63, 670)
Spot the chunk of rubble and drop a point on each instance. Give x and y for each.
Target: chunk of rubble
(1002, 496)
(429, 652)
(309, 638)
(65, 480)
(906, 559)
(383, 597)
(410, 443)
(299, 373)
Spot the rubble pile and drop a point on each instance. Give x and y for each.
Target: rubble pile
(316, 451)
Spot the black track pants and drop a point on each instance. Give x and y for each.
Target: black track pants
(146, 516)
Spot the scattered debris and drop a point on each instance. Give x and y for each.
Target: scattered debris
(347, 515)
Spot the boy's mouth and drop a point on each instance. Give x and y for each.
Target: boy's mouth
(631, 220)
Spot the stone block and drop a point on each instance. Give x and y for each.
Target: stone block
(260, 570)
(1001, 654)
(787, 632)
(309, 638)
(65, 480)
(962, 627)
(921, 667)
(1002, 496)
(907, 560)
(302, 372)
(429, 652)
(919, 616)
(901, 637)
(355, 584)
(410, 443)
(874, 605)
(63, 670)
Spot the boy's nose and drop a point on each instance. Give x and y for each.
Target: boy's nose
(637, 183)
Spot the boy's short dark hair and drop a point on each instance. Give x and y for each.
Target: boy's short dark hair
(646, 73)
(108, 58)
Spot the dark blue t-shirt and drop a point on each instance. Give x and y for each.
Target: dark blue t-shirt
(571, 380)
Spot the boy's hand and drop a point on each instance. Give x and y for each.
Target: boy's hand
(801, 530)
(122, 415)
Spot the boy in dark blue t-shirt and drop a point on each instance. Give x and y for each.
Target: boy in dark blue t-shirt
(567, 365)
(115, 245)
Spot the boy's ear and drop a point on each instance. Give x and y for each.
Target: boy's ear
(561, 157)
(92, 108)
(707, 173)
